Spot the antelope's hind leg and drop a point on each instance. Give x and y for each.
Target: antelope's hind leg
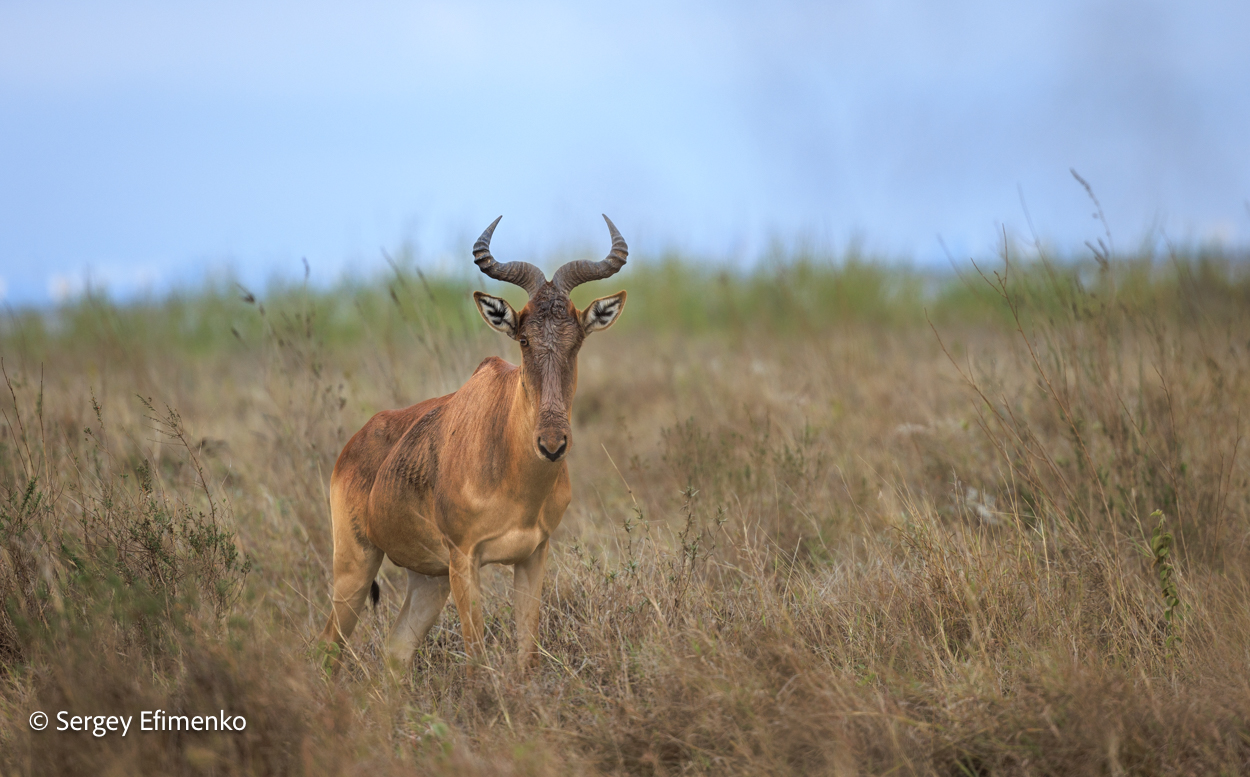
(356, 563)
(422, 606)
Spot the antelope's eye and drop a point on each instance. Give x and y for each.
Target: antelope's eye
(525, 343)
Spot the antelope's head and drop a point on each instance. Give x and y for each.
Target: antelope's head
(550, 330)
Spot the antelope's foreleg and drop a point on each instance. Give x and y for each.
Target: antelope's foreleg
(422, 606)
(466, 590)
(527, 595)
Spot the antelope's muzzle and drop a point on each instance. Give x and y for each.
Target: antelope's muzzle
(553, 444)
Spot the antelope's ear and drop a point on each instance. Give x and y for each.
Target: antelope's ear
(497, 312)
(603, 312)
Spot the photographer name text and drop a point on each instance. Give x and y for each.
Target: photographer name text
(149, 720)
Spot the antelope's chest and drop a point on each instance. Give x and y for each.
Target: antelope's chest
(512, 528)
(512, 546)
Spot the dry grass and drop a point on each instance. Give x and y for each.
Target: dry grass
(864, 547)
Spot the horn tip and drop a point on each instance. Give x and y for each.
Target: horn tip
(612, 230)
(482, 246)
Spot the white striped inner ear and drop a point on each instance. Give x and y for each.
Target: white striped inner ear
(498, 313)
(602, 313)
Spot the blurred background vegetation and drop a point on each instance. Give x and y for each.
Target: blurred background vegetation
(784, 294)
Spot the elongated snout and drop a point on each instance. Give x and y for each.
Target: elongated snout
(553, 444)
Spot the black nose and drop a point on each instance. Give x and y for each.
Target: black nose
(557, 453)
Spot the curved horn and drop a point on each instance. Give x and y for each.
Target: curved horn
(581, 271)
(522, 274)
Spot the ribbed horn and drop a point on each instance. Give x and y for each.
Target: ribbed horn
(581, 271)
(523, 274)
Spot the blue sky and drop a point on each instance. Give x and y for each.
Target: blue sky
(149, 144)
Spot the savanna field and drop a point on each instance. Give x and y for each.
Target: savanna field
(829, 517)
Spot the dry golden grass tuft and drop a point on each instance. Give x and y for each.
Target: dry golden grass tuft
(867, 547)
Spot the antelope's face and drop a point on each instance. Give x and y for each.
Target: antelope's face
(550, 331)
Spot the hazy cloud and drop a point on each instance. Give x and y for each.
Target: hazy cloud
(255, 134)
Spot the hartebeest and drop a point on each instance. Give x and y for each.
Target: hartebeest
(474, 477)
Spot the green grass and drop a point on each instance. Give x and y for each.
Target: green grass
(784, 296)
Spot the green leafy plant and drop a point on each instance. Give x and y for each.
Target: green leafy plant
(1161, 549)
